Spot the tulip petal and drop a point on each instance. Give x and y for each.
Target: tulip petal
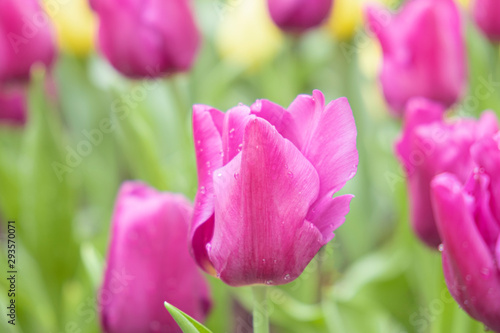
(207, 126)
(262, 197)
(269, 111)
(148, 243)
(486, 154)
(232, 132)
(315, 129)
(328, 213)
(469, 259)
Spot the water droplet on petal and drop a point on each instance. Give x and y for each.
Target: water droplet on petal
(240, 147)
(441, 247)
(257, 147)
(231, 133)
(198, 142)
(236, 175)
(218, 275)
(203, 190)
(208, 247)
(275, 261)
(264, 261)
(290, 174)
(219, 174)
(221, 153)
(286, 277)
(485, 272)
(208, 164)
(269, 282)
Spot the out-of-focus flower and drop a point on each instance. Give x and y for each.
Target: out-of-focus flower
(147, 39)
(424, 52)
(487, 16)
(149, 263)
(467, 218)
(13, 105)
(26, 38)
(430, 146)
(246, 36)
(299, 15)
(345, 17)
(464, 3)
(266, 177)
(75, 26)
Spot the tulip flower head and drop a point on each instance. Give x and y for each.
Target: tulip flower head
(429, 146)
(144, 39)
(26, 38)
(266, 180)
(299, 15)
(486, 15)
(149, 263)
(423, 52)
(468, 220)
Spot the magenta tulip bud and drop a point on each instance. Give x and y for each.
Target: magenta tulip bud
(486, 14)
(13, 105)
(145, 39)
(267, 176)
(470, 232)
(26, 38)
(299, 15)
(149, 263)
(423, 52)
(429, 146)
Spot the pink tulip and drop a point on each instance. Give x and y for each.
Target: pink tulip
(13, 105)
(149, 263)
(487, 16)
(266, 177)
(26, 38)
(467, 218)
(299, 15)
(424, 52)
(430, 146)
(147, 38)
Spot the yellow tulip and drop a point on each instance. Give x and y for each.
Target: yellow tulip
(246, 35)
(345, 18)
(75, 25)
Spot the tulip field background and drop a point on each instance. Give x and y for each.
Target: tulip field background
(60, 173)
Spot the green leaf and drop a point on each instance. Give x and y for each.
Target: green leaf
(185, 322)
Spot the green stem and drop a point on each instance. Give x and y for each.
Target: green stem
(260, 307)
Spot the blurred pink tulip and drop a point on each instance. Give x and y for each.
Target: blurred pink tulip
(487, 16)
(147, 39)
(430, 146)
(149, 263)
(423, 52)
(467, 218)
(26, 38)
(266, 177)
(299, 15)
(13, 108)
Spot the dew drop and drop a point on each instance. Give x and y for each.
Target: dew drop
(286, 277)
(219, 174)
(198, 142)
(209, 172)
(218, 275)
(208, 164)
(240, 104)
(240, 147)
(208, 247)
(275, 261)
(264, 261)
(441, 247)
(231, 133)
(269, 282)
(257, 147)
(468, 277)
(485, 272)
(236, 175)
(221, 153)
(290, 174)
(203, 190)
